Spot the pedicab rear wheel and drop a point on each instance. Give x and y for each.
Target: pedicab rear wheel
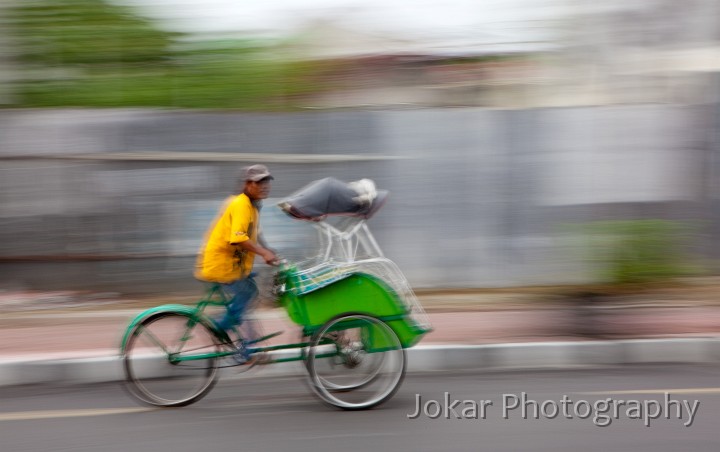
(355, 362)
(155, 372)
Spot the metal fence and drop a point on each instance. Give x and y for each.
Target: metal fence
(119, 199)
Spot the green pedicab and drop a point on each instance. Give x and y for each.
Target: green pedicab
(356, 317)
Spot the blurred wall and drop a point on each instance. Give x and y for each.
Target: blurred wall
(119, 199)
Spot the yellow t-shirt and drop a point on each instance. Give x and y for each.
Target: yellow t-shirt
(221, 259)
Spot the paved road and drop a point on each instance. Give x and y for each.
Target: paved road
(278, 414)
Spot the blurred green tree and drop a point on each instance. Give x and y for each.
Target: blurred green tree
(87, 32)
(98, 54)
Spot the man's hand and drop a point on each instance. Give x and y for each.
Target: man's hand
(270, 258)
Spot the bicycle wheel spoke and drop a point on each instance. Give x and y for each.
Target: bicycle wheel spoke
(142, 330)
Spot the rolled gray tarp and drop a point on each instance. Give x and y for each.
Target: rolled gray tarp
(331, 196)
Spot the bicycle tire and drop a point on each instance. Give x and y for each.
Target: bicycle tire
(339, 372)
(153, 376)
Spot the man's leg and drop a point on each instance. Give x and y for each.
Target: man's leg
(241, 293)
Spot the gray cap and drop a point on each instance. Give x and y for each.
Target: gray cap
(256, 173)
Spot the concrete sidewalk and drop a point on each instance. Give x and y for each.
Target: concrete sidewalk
(81, 346)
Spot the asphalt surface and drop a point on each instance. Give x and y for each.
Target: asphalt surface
(279, 414)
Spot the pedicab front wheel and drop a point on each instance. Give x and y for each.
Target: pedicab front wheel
(355, 362)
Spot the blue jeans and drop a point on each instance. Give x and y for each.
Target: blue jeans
(241, 293)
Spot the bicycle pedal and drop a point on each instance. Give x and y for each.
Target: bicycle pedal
(260, 358)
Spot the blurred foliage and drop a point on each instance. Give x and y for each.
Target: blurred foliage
(80, 32)
(633, 252)
(97, 54)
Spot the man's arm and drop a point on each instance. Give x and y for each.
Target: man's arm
(269, 257)
(261, 241)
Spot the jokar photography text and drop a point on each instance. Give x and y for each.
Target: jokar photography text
(602, 412)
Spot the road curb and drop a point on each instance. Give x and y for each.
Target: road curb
(535, 355)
